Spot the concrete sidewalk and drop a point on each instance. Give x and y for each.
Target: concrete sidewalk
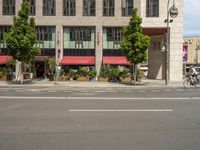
(47, 83)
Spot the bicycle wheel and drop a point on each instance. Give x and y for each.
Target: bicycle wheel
(186, 83)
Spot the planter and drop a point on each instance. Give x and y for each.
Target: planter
(125, 80)
(104, 79)
(82, 78)
(64, 78)
(4, 78)
(51, 78)
(9, 77)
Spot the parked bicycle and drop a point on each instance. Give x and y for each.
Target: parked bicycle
(191, 81)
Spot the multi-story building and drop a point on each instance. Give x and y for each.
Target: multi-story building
(88, 32)
(191, 52)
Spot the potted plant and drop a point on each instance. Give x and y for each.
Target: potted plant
(115, 74)
(104, 74)
(3, 74)
(10, 65)
(52, 67)
(83, 74)
(125, 75)
(92, 74)
(72, 75)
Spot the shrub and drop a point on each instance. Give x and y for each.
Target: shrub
(83, 71)
(115, 72)
(104, 72)
(92, 73)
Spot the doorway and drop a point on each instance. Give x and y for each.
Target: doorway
(40, 69)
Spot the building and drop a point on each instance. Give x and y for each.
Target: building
(87, 32)
(191, 52)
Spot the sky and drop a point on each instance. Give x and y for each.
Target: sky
(191, 17)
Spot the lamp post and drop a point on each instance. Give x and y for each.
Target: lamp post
(173, 13)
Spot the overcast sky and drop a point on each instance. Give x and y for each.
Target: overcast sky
(192, 18)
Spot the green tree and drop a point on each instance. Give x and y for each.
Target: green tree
(21, 39)
(134, 44)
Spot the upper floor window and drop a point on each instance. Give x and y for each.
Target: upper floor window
(89, 7)
(108, 7)
(112, 37)
(127, 7)
(69, 7)
(79, 37)
(49, 7)
(8, 7)
(45, 36)
(152, 8)
(32, 7)
(3, 29)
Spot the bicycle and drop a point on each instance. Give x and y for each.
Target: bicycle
(191, 81)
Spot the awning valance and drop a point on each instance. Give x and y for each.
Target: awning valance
(115, 60)
(4, 59)
(78, 60)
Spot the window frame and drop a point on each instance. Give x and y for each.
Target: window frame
(49, 8)
(89, 9)
(110, 11)
(69, 7)
(8, 8)
(32, 7)
(152, 8)
(127, 9)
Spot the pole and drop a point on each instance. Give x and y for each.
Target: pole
(167, 48)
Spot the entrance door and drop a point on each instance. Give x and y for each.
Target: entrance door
(40, 67)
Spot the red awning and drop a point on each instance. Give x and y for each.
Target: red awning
(78, 60)
(4, 59)
(115, 60)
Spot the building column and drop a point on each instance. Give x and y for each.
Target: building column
(175, 55)
(176, 45)
(59, 43)
(99, 48)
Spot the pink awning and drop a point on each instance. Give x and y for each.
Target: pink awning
(78, 60)
(4, 59)
(115, 60)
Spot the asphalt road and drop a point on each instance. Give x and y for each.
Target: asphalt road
(37, 118)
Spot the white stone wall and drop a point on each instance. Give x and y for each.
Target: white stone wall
(176, 28)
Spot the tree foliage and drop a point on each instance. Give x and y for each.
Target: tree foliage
(21, 38)
(134, 43)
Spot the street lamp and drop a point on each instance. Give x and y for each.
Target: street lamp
(173, 13)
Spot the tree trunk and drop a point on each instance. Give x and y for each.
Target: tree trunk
(22, 72)
(133, 77)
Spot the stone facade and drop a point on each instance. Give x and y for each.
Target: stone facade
(193, 52)
(156, 57)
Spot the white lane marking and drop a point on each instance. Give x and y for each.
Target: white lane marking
(120, 110)
(133, 98)
(10, 107)
(15, 97)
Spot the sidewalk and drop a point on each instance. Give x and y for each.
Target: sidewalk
(47, 83)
